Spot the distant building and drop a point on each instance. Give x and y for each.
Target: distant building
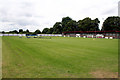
(93, 34)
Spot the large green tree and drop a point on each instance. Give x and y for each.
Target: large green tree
(94, 25)
(71, 25)
(37, 31)
(50, 31)
(26, 32)
(20, 31)
(57, 28)
(13, 32)
(3, 32)
(111, 24)
(65, 21)
(87, 24)
(45, 30)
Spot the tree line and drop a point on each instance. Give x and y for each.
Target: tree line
(21, 31)
(68, 24)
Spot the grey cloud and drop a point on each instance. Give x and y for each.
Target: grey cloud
(25, 22)
(110, 11)
(20, 13)
(28, 15)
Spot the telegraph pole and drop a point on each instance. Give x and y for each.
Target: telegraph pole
(119, 8)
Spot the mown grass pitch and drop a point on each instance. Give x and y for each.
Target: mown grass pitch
(59, 57)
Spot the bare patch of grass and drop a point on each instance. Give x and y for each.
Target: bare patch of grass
(104, 74)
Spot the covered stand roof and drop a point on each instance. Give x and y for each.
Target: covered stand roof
(91, 32)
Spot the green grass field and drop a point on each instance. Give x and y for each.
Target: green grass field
(59, 57)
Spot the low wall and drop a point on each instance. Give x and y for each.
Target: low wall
(25, 34)
(12, 34)
(49, 34)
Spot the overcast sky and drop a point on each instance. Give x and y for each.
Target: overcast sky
(39, 14)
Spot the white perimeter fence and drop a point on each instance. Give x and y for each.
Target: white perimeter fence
(49, 34)
(12, 35)
(25, 34)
